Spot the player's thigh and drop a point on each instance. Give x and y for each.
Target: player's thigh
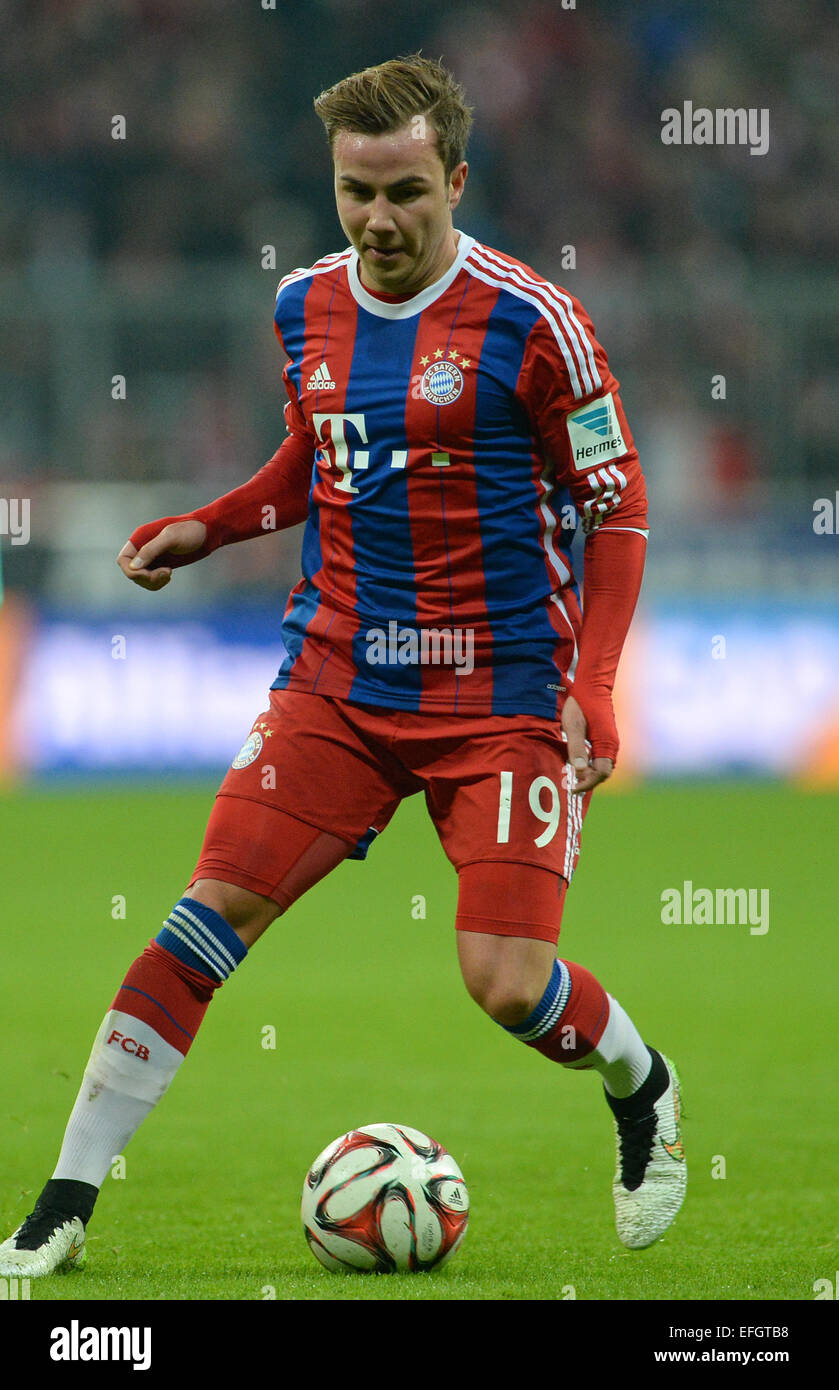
(302, 795)
(250, 913)
(507, 795)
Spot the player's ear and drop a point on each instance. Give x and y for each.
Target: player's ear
(457, 179)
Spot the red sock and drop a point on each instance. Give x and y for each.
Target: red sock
(168, 995)
(582, 1019)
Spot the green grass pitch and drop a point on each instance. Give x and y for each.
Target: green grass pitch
(373, 1023)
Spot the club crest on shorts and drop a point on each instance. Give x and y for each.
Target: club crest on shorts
(250, 749)
(442, 382)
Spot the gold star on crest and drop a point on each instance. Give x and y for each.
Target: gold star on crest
(438, 352)
(453, 355)
(423, 361)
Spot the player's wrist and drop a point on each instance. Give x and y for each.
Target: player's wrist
(213, 537)
(169, 559)
(601, 727)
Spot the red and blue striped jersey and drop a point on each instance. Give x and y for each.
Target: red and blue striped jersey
(458, 438)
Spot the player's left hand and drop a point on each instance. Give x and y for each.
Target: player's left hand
(590, 771)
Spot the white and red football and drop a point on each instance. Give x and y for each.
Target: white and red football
(384, 1198)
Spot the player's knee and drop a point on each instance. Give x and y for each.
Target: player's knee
(246, 912)
(507, 1001)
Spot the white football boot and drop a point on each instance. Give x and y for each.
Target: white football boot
(46, 1243)
(651, 1177)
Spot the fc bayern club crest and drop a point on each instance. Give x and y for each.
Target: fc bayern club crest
(442, 383)
(250, 750)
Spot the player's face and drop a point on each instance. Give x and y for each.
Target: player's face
(395, 205)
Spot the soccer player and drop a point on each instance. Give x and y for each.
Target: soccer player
(451, 417)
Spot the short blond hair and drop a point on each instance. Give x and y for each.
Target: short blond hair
(387, 97)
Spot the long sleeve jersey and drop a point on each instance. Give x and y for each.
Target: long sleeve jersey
(443, 450)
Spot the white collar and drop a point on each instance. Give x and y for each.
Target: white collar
(406, 308)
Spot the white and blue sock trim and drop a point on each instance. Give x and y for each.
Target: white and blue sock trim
(201, 938)
(547, 1012)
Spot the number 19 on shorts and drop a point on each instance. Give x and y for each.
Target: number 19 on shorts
(550, 815)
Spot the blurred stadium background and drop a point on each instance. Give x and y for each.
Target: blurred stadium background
(146, 258)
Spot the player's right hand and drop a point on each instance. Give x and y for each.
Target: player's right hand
(177, 538)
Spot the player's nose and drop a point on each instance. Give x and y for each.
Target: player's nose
(381, 214)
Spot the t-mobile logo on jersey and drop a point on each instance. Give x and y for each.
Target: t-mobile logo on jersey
(351, 461)
(429, 646)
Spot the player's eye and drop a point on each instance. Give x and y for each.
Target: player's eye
(363, 195)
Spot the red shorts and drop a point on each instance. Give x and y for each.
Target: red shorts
(498, 790)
